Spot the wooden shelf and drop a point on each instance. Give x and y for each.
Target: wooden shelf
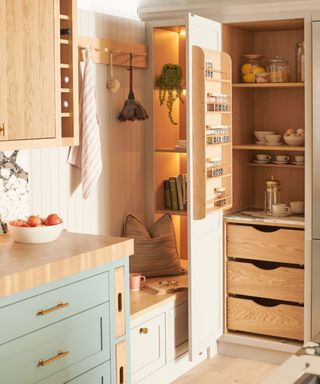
(65, 66)
(64, 41)
(64, 17)
(171, 150)
(272, 165)
(255, 147)
(65, 90)
(218, 144)
(175, 212)
(219, 112)
(65, 114)
(210, 80)
(268, 85)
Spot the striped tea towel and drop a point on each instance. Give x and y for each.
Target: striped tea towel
(87, 156)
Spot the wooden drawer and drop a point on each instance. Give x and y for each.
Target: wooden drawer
(281, 320)
(99, 375)
(281, 283)
(78, 297)
(83, 338)
(257, 243)
(148, 347)
(178, 329)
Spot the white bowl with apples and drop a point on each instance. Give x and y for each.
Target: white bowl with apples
(36, 229)
(294, 138)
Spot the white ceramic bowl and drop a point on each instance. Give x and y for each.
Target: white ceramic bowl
(260, 135)
(272, 139)
(294, 140)
(35, 234)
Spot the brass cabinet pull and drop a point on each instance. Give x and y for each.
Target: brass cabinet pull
(144, 330)
(60, 355)
(3, 129)
(55, 308)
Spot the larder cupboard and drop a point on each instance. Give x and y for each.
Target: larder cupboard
(38, 102)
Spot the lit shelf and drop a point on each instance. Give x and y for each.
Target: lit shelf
(173, 212)
(65, 90)
(65, 114)
(268, 85)
(65, 66)
(64, 41)
(255, 147)
(272, 165)
(172, 150)
(64, 17)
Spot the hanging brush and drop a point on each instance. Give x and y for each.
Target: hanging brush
(132, 109)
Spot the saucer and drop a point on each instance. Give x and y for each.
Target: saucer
(280, 214)
(260, 143)
(261, 161)
(281, 162)
(273, 144)
(297, 162)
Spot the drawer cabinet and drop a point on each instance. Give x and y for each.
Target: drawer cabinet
(281, 320)
(149, 341)
(265, 280)
(99, 375)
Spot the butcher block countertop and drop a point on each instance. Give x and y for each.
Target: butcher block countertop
(26, 266)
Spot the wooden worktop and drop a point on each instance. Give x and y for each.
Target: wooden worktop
(25, 266)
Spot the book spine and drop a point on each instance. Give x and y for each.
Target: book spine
(179, 191)
(173, 193)
(184, 190)
(167, 196)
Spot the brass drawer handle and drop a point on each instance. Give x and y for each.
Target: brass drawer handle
(3, 129)
(55, 308)
(144, 330)
(60, 355)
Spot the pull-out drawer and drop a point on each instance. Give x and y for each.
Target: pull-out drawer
(71, 346)
(281, 320)
(148, 347)
(52, 306)
(281, 283)
(265, 243)
(99, 375)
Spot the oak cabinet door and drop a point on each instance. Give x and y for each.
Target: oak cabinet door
(28, 71)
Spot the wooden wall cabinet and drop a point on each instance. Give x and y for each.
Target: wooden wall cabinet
(32, 100)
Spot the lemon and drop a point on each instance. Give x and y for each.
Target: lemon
(256, 70)
(249, 78)
(246, 68)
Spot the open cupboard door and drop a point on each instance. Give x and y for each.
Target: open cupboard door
(204, 223)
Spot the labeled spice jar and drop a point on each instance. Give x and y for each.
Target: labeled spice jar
(251, 65)
(279, 70)
(219, 196)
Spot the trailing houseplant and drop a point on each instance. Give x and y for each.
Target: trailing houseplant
(170, 84)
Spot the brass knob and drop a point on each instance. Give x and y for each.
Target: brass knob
(144, 330)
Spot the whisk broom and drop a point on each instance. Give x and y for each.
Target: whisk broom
(132, 109)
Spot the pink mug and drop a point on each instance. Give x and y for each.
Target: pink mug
(135, 281)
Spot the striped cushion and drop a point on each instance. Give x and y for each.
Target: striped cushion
(155, 251)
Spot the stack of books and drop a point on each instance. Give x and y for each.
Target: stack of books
(175, 192)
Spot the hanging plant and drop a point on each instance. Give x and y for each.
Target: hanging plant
(170, 84)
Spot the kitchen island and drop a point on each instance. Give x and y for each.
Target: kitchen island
(64, 310)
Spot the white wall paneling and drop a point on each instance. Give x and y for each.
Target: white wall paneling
(54, 185)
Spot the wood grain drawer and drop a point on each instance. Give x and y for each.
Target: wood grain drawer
(282, 283)
(83, 338)
(281, 321)
(256, 243)
(78, 297)
(148, 347)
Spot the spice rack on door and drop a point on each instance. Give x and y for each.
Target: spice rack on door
(68, 73)
(212, 137)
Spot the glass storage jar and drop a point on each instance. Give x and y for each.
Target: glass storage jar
(250, 66)
(279, 70)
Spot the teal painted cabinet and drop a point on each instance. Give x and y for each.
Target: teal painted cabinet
(74, 330)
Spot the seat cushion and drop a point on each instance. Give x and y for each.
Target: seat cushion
(155, 251)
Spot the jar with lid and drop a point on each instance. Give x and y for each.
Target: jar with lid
(300, 61)
(250, 66)
(271, 194)
(279, 70)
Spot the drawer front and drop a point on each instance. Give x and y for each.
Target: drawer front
(83, 340)
(75, 298)
(148, 347)
(281, 321)
(282, 283)
(252, 242)
(99, 375)
(178, 328)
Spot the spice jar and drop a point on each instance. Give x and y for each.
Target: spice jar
(279, 70)
(250, 66)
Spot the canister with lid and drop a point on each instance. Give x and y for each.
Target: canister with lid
(279, 70)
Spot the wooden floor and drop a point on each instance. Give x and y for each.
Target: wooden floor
(227, 370)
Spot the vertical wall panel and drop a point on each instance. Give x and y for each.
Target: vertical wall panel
(54, 185)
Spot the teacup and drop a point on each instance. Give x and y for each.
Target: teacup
(280, 208)
(282, 158)
(297, 206)
(135, 281)
(299, 159)
(263, 157)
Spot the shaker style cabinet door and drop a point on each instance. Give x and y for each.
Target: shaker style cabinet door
(27, 69)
